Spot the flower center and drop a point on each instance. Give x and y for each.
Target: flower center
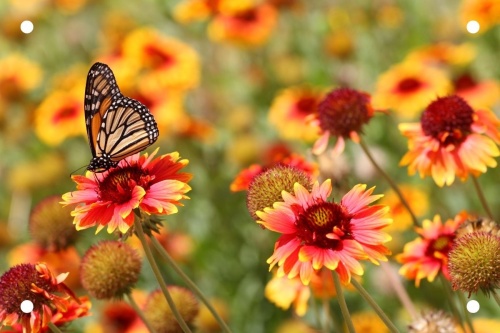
(344, 111)
(322, 219)
(409, 85)
(464, 82)
(306, 105)
(15, 286)
(441, 244)
(65, 113)
(158, 57)
(246, 16)
(119, 183)
(448, 119)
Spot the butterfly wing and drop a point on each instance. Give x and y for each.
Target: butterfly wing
(117, 126)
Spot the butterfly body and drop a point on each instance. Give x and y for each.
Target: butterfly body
(117, 126)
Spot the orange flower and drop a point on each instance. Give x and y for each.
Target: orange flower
(188, 11)
(290, 111)
(52, 300)
(408, 87)
(18, 75)
(485, 12)
(427, 256)
(483, 94)
(168, 63)
(443, 53)
(250, 26)
(316, 232)
(278, 154)
(451, 140)
(108, 199)
(59, 116)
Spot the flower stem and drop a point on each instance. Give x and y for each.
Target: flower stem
(342, 303)
(190, 284)
(463, 303)
(326, 310)
(375, 306)
(451, 302)
(393, 185)
(157, 273)
(480, 194)
(54, 328)
(139, 312)
(399, 289)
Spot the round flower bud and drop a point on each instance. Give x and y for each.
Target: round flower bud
(265, 189)
(110, 269)
(433, 321)
(160, 316)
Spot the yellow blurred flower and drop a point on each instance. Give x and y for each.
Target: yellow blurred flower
(340, 44)
(249, 27)
(409, 87)
(60, 116)
(482, 94)
(284, 292)
(485, 12)
(483, 325)
(368, 322)
(444, 53)
(416, 198)
(205, 321)
(294, 326)
(290, 111)
(195, 10)
(116, 25)
(18, 75)
(167, 62)
(26, 176)
(69, 6)
(390, 16)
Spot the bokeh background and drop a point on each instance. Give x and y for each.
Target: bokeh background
(210, 72)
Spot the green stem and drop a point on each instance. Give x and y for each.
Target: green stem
(399, 289)
(159, 277)
(393, 185)
(139, 312)
(54, 328)
(451, 302)
(342, 303)
(326, 311)
(463, 303)
(190, 283)
(480, 194)
(375, 306)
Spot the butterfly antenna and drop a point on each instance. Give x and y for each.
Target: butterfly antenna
(73, 172)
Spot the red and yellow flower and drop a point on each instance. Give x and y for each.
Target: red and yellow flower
(290, 111)
(485, 12)
(479, 94)
(443, 53)
(427, 256)
(153, 185)
(52, 300)
(408, 87)
(452, 139)
(318, 233)
(248, 26)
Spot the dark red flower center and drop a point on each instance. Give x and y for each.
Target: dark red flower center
(119, 183)
(65, 112)
(158, 57)
(343, 111)
(247, 16)
(464, 82)
(306, 105)
(409, 85)
(321, 219)
(16, 285)
(118, 317)
(448, 119)
(442, 244)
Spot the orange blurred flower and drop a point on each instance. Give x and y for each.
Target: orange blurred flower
(290, 111)
(485, 12)
(59, 116)
(368, 322)
(427, 256)
(284, 292)
(408, 87)
(278, 154)
(250, 26)
(18, 76)
(452, 139)
(482, 94)
(443, 53)
(62, 261)
(167, 63)
(187, 11)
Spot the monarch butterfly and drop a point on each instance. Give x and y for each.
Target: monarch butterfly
(117, 126)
